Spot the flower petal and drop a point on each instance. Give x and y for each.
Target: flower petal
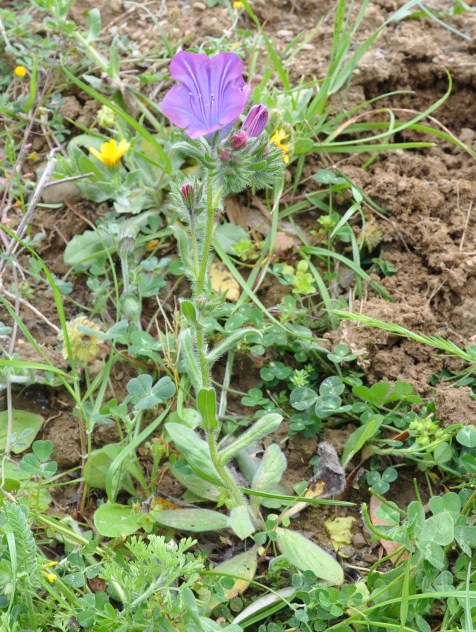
(256, 120)
(212, 92)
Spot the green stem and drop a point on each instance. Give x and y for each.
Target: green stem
(201, 268)
(227, 478)
(208, 238)
(125, 274)
(150, 591)
(202, 356)
(200, 335)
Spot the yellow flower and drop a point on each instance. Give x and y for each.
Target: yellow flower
(49, 564)
(152, 244)
(238, 5)
(51, 577)
(111, 152)
(19, 71)
(277, 138)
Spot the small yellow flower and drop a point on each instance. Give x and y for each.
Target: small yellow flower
(51, 577)
(277, 138)
(19, 71)
(111, 152)
(152, 244)
(50, 564)
(238, 5)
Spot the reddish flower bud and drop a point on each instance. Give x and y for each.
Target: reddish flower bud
(188, 194)
(225, 155)
(256, 120)
(239, 140)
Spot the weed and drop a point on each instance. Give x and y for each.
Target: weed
(151, 311)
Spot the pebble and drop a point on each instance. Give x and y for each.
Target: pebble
(199, 6)
(60, 192)
(285, 34)
(359, 541)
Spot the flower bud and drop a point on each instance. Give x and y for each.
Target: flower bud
(239, 140)
(131, 307)
(256, 120)
(126, 240)
(225, 155)
(106, 117)
(188, 192)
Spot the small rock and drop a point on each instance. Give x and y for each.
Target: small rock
(199, 6)
(70, 107)
(285, 34)
(359, 541)
(58, 193)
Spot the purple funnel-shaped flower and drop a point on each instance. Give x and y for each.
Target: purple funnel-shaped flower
(211, 92)
(256, 120)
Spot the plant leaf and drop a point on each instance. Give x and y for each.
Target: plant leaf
(439, 529)
(113, 520)
(84, 249)
(467, 437)
(25, 427)
(98, 464)
(240, 521)
(194, 520)
(271, 602)
(243, 565)
(270, 470)
(223, 282)
(196, 484)
(307, 556)
(261, 428)
(206, 404)
(359, 438)
(195, 450)
(144, 395)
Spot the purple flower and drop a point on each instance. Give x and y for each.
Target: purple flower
(256, 120)
(211, 92)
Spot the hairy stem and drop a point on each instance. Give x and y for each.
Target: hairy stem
(208, 238)
(227, 478)
(201, 269)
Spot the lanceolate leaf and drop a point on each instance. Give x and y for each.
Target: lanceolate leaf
(196, 484)
(89, 246)
(240, 521)
(307, 556)
(359, 438)
(271, 468)
(244, 567)
(261, 428)
(269, 603)
(269, 472)
(98, 464)
(195, 520)
(195, 450)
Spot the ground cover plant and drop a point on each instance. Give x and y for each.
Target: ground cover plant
(237, 316)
